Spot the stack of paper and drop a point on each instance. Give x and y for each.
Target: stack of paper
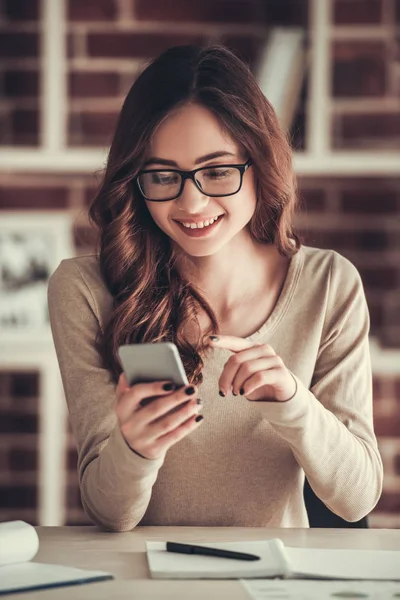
(19, 543)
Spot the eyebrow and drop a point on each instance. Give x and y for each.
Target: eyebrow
(164, 161)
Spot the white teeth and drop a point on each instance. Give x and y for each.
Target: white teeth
(200, 225)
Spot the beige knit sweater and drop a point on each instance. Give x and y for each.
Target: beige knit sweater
(245, 464)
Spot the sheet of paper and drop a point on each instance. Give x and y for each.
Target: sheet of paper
(293, 589)
(171, 565)
(31, 575)
(19, 542)
(345, 564)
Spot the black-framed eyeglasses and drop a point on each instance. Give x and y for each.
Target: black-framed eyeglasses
(160, 185)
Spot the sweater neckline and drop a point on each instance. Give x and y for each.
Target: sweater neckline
(284, 300)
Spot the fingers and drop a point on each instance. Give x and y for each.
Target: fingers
(129, 398)
(235, 362)
(152, 418)
(247, 370)
(158, 446)
(161, 406)
(172, 420)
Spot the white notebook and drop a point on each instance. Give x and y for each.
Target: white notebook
(276, 560)
(19, 543)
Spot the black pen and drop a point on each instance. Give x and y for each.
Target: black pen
(206, 551)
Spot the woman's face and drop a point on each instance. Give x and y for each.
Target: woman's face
(189, 138)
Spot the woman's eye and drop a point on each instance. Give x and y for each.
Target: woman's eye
(163, 179)
(218, 173)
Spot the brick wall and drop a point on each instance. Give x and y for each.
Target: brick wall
(107, 42)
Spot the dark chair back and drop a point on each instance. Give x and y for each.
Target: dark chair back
(319, 514)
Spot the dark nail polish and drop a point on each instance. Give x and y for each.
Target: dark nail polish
(199, 401)
(241, 391)
(233, 394)
(214, 338)
(221, 394)
(189, 390)
(168, 387)
(199, 418)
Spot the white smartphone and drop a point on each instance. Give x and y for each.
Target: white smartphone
(143, 363)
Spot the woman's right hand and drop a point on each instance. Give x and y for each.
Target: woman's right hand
(151, 428)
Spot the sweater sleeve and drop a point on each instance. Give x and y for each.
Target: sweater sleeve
(115, 482)
(329, 427)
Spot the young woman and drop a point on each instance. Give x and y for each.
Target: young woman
(195, 216)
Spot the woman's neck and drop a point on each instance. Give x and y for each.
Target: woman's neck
(239, 271)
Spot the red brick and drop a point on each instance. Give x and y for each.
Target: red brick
(220, 11)
(72, 459)
(21, 496)
(297, 132)
(397, 11)
(247, 48)
(21, 84)
(366, 130)
(100, 10)
(17, 423)
(312, 200)
(387, 426)
(22, 460)
(397, 464)
(135, 45)
(84, 237)
(24, 384)
(287, 12)
(18, 45)
(389, 503)
(359, 69)
(91, 84)
(21, 10)
(92, 128)
(90, 193)
(390, 337)
(383, 278)
(32, 197)
(353, 12)
(376, 314)
(73, 496)
(22, 127)
(352, 240)
(397, 390)
(377, 388)
(364, 201)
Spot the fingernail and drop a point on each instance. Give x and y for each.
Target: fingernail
(189, 390)
(221, 394)
(214, 338)
(233, 394)
(168, 387)
(199, 401)
(199, 418)
(241, 391)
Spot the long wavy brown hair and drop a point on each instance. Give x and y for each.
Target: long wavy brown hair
(152, 302)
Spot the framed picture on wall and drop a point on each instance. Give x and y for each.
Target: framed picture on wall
(32, 245)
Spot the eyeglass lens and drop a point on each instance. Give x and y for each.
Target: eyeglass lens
(159, 185)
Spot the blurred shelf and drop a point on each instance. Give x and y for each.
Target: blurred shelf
(20, 478)
(13, 514)
(25, 441)
(367, 163)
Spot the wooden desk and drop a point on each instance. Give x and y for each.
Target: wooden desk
(123, 554)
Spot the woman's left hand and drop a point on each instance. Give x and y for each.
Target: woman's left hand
(254, 371)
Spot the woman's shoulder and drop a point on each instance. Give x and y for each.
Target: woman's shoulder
(79, 279)
(328, 268)
(326, 262)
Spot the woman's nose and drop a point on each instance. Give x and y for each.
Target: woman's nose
(191, 200)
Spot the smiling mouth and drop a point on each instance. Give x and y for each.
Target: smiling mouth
(203, 230)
